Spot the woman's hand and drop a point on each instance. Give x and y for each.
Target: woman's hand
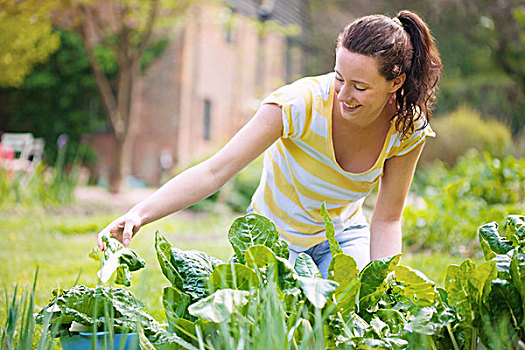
(122, 229)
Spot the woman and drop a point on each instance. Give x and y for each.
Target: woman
(330, 139)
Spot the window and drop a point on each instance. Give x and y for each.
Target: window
(207, 117)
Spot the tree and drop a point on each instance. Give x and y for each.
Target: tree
(57, 97)
(116, 35)
(27, 38)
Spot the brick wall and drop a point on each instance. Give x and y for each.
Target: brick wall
(201, 69)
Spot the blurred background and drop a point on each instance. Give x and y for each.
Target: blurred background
(115, 96)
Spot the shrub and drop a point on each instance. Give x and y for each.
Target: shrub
(457, 199)
(464, 129)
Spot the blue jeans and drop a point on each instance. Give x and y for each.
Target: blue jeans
(354, 241)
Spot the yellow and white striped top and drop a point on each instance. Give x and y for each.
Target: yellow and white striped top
(300, 171)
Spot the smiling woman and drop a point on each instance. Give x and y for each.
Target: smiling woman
(328, 139)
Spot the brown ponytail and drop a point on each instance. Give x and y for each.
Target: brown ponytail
(403, 44)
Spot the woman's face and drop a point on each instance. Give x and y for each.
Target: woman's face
(362, 93)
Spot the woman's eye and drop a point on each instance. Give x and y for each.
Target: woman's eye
(359, 88)
(339, 78)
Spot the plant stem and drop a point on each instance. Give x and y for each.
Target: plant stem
(452, 338)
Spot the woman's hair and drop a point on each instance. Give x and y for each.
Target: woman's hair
(402, 44)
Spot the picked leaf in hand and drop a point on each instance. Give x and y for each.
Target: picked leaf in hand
(117, 258)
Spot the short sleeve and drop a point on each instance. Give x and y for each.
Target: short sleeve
(293, 100)
(415, 139)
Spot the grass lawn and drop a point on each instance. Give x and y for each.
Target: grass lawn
(58, 243)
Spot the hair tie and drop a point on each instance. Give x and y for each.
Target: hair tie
(397, 21)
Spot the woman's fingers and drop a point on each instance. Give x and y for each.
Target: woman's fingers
(127, 233)
(121, 229)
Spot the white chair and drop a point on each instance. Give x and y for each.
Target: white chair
(27, 151)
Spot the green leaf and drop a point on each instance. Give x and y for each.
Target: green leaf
(421, 321)
(175, 305)
(343, 270)
(251, 230)
(416, 286)
(194, 268)
(489, 234)
(515, 225)
(118, 258)
(259, 256)
(317, 290)
(394, 319)
(220, 306)
(335, 248)
(468, 287)
(306, 267)
(517, 271)
(373, 283)
(233, 276)
(123, 276)
(88, 307)
(164, 256)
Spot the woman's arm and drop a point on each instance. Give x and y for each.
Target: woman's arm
(204, 179)
(385, 226)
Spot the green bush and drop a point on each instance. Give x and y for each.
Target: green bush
(462, 130)
(480, 186)
(43, 186)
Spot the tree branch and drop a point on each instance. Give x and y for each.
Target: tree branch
(104, 86)
(149, 30)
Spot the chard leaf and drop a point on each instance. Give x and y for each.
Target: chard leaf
(394, 319)
(343, 270)
(219, 306)
(251, 230)
(416, 286)
(286, 277)
(87, 306)
(306, 267)
(515, 226)
(489, 234)
(467, 287)
(118, 258)
(259, 256)
(317, 290)
(517, 271)
(164, 256)
(175, 305)
(335, 248)
(233, 276)
(123, 276)
(194, 267)
(373, 283)
(423, 321)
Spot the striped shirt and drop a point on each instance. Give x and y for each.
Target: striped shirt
(300, 170)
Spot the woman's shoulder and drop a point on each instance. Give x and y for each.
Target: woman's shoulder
(307, 87)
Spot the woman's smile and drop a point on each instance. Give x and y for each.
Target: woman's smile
(350, 107)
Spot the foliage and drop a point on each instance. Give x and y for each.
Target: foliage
(99, 307)
(462, 130)
(116, 35)
(44, 186)
(58, 97)
(457, 199)
(117, 258)
(27, 38)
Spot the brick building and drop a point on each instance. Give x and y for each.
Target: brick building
(209, 82)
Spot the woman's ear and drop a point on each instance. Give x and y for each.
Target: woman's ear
(397, 82)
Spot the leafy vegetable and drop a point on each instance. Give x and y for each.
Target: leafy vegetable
(117, 258)
(253, 229)
(219, 306)
(188, 271)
